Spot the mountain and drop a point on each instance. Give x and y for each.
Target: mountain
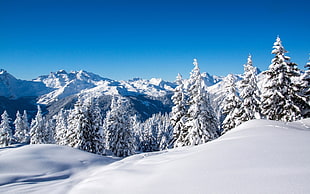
(259, 156)
(61, 89)
(13, 88)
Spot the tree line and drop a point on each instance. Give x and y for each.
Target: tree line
(284, 96)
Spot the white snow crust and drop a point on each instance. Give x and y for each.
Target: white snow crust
(259, 156)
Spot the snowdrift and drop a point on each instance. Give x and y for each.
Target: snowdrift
(257, 157)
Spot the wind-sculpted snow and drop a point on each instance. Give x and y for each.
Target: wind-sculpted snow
(259, 156)
(44, 168)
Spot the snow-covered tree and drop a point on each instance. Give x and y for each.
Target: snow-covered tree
(94, 137)
(179, 110)
(49, 131)
(38, 132)
(120, 137)
(26, 127)
(61, 128)
(250, 94)
(231, 105)
(280, 100)
(157, 133)
(165, 133)
(5, 130)
(85, 130)
(137, 128)
(75, 121)
(201, 124)
(305, 85)
(20, 132)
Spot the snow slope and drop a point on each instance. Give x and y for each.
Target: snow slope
(259, 156)
(44, 168)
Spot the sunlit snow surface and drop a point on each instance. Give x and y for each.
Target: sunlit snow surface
(257, 157)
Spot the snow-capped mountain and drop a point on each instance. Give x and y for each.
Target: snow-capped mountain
(88, 84)
(61, 89)
(13, 88)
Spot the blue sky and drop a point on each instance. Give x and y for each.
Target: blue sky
(122, 39)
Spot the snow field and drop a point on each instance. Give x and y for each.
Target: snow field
(259, 156)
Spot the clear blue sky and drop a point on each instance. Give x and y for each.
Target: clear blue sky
(122, 39)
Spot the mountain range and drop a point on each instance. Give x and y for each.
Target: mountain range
(61, 89)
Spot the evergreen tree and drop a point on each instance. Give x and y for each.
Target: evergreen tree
(49, 126)
(305, 85)
(201, 125)
(93, 137)
(120, 136)
(178, 113)
(61, 128)
(165, 134)
(78, 124)
(20, 133)
(231, 105)
(280, 101)
(138, 129)
(157, 133)
(250, 95)
(149, 141)
(26, 127)
(5, 130)
(38, 133)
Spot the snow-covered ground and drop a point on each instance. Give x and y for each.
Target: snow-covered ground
(257, 157)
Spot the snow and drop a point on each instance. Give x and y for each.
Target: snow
(44, 168)
(259, 156)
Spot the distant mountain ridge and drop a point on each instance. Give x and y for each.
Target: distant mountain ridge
(61, 89)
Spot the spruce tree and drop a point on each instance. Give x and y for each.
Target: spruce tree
(120, 137)
(157, 133)
(38, 132)
(231, 105)
(201, 124)
(178, 113)
(280, 101)
(250, 94)
(138, 129)
(305, 85)
(20, 132)
(93, 139)
(78, 126)
(5, 130)
(61, 128)
(26, 127)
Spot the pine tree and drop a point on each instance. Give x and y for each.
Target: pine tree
(165, 134)
(138, 129)
(157, 133)
(5, 130)
(20, 133)
(38, 133)
(178, 113)
(231, 105)
(49, 127)
(280, 101)
(120, 136)
(305, 91)
(26, 127)
(93, 137)
(149, 141)
(201, 125)
(77, 124)
(61, 128)
(250, 94)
